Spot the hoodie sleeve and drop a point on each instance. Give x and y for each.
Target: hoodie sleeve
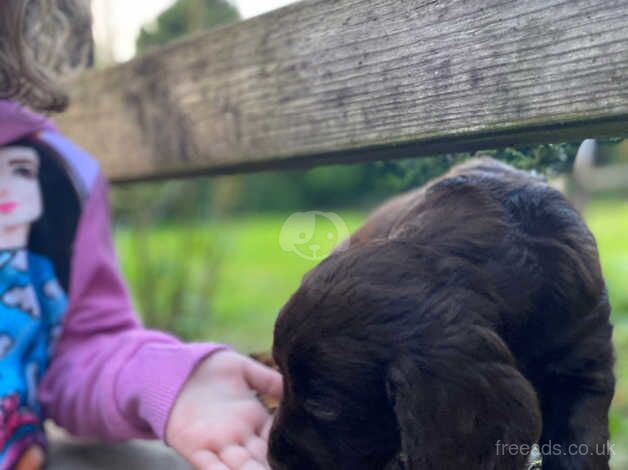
(109, 377)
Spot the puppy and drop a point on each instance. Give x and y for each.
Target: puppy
(462, 324)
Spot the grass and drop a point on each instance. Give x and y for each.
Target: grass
(255, 276)
(609, 222)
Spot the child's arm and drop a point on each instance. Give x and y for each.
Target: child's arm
(109, 377)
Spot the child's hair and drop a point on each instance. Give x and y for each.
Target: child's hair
(39, 41)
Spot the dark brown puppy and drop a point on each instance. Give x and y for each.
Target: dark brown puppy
(462, 317)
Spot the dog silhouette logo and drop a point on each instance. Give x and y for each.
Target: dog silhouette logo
(313, 235)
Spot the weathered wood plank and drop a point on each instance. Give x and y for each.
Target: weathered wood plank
(344, 80)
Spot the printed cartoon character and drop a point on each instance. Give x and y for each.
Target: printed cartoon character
(12, 418)
(20, 195)
(32, 304)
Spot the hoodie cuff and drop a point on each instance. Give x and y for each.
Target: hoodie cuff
(159, 372)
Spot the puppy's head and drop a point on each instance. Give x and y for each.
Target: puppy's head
(388, 365)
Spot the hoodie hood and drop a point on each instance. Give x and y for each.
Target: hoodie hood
(17, 122)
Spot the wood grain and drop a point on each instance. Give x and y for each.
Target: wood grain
(326, 81)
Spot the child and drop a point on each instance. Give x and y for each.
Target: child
(71, 347)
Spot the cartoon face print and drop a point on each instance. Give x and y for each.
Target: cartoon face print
(312, 235)
(20, 195)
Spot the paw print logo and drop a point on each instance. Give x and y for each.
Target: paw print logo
(313, 235)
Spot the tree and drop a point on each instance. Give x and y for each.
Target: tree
(186, 17)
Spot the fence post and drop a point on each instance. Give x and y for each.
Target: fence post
(583, 166)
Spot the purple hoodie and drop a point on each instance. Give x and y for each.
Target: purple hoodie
(108, 377)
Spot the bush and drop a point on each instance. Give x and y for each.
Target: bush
(172, 278)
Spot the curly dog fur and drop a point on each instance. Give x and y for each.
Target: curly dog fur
(468, 314)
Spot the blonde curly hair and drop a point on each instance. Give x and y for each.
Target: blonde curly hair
(41, 41)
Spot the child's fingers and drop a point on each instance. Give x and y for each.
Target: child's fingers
(206, 460)
(257, 447)
(235, 456)
(266, 429)
(262, 379)
(253, 465)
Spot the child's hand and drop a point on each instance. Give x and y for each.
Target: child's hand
(217, 422)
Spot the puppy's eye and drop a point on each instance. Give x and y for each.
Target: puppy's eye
(319, 411)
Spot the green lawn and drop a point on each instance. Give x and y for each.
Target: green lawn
(609, 223)
(254, 277)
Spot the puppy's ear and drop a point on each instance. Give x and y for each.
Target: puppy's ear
(460, 404)
(410, 400)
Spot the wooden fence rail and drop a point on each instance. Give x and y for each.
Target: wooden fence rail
(337, 81)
